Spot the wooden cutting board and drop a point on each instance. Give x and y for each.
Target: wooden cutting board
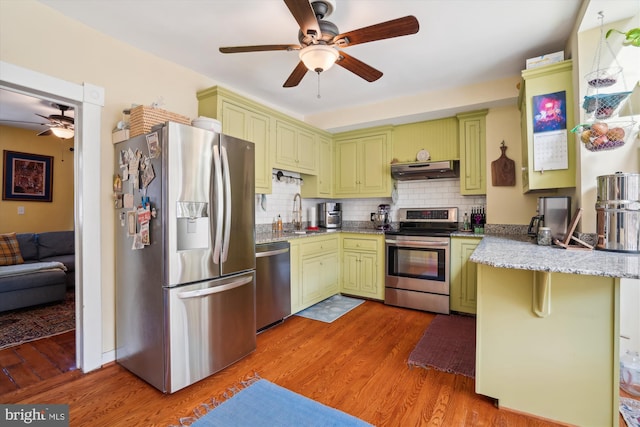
(503, 170)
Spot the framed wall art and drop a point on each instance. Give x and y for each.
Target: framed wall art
(27, 177)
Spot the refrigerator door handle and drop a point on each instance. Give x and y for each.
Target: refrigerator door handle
(227, 203)
(216, 289)
(217, 174)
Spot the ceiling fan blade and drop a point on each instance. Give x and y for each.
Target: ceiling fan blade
(23, 121)
(58, 119)
(40, 115)
(358, 67)
(384, 30)
(259, 48)
(304, 15)
(296, 76)
(45, 133)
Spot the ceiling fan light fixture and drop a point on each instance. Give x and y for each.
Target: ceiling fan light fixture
(318, 57)
(62, 132)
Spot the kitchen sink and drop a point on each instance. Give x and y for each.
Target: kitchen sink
(303, 231)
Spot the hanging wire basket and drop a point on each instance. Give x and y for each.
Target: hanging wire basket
(603, 105)
(603, 78)
(603, 128)
(602, 136)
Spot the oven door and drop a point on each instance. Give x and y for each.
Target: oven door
(418, 263)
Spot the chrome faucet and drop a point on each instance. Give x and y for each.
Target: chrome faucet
(297, 212)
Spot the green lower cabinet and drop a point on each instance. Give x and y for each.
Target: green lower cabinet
(463, 279)
(363, 266)
(315, 270)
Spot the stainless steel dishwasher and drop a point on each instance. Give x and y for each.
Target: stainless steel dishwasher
(273, 284)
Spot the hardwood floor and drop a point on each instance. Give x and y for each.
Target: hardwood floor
(357, 364)
(27, 364)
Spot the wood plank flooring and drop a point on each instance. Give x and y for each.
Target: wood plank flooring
(31, 363)
(357, 364)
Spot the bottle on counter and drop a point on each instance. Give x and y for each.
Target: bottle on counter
(274, 225)
(279, 223)
(466, 226)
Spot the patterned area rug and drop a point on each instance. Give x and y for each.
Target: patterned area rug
(29, 324)
(330, 309)
(630, 410)
(449, 345)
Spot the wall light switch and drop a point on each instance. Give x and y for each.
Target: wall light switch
(20, 210)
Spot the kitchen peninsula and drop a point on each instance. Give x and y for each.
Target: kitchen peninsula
(548, 325)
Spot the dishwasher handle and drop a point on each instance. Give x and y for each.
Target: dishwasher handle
(215, 289)
(272, 253)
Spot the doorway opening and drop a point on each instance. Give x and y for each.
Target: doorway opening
(87, 100)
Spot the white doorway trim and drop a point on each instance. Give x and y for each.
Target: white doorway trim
(88, 101)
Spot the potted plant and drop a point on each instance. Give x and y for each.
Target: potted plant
(632, 37)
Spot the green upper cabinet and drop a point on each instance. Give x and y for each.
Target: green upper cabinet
(296, 148)
(321, 185)
(555, 80)
(473, 170)
(241, 119)
(362, 161)
(438, 137)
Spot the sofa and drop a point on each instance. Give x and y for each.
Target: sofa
(39, 271)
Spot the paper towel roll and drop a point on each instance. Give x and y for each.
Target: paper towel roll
(311, 213)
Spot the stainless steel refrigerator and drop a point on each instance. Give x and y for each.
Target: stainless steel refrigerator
(185, 254)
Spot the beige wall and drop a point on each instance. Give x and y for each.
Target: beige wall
(39, 216)
(508, 205)
(128, 75)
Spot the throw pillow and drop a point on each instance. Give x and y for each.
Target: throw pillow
(10, 250)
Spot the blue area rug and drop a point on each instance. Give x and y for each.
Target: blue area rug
(264, 404)
(331, 308)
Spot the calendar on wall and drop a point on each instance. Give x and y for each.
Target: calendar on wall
(550, 150)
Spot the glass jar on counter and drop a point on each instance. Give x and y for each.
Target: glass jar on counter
(544, 236)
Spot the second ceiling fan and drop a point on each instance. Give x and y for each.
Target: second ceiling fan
(320, 39)
(59, 125)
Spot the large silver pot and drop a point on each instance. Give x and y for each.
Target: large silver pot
(618, 212)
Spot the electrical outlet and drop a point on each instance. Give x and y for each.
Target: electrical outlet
(20, 210)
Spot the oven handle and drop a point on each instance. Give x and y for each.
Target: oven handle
(416, 243)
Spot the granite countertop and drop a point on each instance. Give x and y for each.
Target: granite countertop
(269, 237)
(521, 252)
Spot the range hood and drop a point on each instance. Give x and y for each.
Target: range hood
(425, 170)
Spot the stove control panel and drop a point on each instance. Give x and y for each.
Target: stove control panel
(428, 214)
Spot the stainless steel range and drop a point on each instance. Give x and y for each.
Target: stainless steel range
(417, 259)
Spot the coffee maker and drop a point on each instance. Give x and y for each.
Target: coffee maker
(552, 212)
(381, 218)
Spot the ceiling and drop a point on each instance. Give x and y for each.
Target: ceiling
(460, 42)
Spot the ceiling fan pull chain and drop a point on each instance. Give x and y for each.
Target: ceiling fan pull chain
(318, 85)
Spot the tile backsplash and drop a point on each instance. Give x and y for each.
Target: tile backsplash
(411, 194)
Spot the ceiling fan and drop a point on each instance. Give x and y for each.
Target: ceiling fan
(320, 39)
(59, 125)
